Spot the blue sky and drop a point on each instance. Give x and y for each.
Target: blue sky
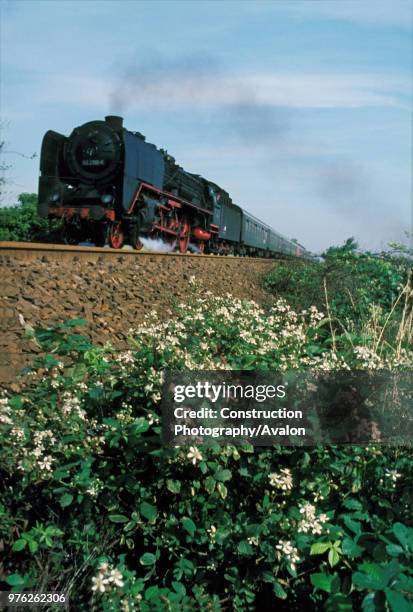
(301, 109)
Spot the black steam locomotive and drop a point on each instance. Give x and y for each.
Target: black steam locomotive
(109, 185)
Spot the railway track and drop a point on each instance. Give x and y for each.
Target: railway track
(33, 248)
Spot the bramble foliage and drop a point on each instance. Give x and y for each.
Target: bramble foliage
(22, 223)
(94, 505)
(354, 282)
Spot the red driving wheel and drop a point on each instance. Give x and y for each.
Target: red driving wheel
(184, 237)
(116, 235)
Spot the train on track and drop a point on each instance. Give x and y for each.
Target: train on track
(109, 185)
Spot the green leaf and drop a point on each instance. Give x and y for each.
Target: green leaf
(350, 548)
(372, 579)
(338, 603)
(15, 580)
(244, 548)
(374, 602)
(210, 484)
(174, 486)
(391, 570)
(147, 559)
(404, 583)
(140, 426)
(16, 402)
(333, 557)
(118, 518)
(19, 545)
(320, 547)
(403, 534)
(313, 349)
(253, 529)
(179, 588)
(33, 545)
(279, 591)
(352, 504)
(354, 526)
(189, 526)
(268, 577)
(148, 511)
(66, 500)
(322, 582)
(394, 550)
(222, 475)
(50, 361)
(64, 470)
(151, 592)
(397, 602)
(222, 490)
(96, 393)
(186, 566)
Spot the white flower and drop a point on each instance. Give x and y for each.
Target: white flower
(393, 475)
(5, 411)
(116, 577)
(17, 432)
(194, 455)
(311, 523)
(71, 405)
(283, 480)
(253, 540)
(289, 551)
(93, 490)
(99, 583)
(45, 464)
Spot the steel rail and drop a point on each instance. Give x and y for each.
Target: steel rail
(11, 246)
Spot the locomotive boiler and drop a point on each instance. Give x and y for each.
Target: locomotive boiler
(109, 185)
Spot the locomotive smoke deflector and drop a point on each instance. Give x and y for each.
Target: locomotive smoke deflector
(115, 122)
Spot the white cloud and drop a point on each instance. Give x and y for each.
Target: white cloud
(383, 13)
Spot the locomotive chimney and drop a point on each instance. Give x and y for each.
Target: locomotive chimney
(115, 122)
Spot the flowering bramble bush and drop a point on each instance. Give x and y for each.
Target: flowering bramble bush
(355, 281)
(93, 505)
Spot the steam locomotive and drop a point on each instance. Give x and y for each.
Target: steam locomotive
(108, 184)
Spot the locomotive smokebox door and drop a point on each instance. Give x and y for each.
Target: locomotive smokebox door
(94, 152)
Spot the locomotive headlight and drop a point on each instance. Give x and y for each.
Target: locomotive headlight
(55, 197)
(106, 199)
